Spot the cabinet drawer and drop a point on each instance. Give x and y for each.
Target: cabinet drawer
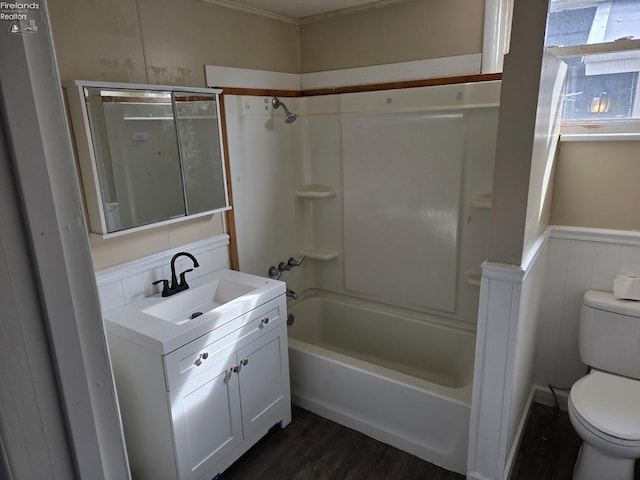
(199, 356)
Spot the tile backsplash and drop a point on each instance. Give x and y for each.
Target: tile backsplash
(132, 281)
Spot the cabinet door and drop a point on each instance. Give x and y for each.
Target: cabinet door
(264, 382)
(207, 422)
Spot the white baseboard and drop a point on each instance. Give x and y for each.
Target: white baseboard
(519, 434)
(544, 396)
(476, 476)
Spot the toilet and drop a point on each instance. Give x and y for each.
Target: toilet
(604, 405)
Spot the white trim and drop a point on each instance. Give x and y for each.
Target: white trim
(134, 267)
(535, 250)
(89, 163)
(600, 137)
(348, 10)
(45, 174)
(544, 396)
(141, 228)
(595, 48)
(231, 77)
(500, 319)
(139, 86)
(252, 10)
(393, 72)
(503, 272)
(303, 20)
(599, 24)
(627, 129)
(511, 459)
(476, 476)
(602, 235)
(510, 368)
(497, 28)
(499, 300)
(517, 273)
(596, 129)
(560, 5)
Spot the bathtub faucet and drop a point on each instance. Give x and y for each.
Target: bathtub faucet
(292, 294)
(292, 262)
(276, 272)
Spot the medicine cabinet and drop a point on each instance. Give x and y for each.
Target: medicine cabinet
(149, 155)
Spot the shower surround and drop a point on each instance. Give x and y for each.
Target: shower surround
(387, 193)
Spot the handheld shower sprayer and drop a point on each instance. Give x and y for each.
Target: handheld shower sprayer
(289, 117)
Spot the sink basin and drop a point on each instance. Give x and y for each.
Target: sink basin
(212, 303)
(190, 304)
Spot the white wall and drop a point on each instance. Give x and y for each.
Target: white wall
(543, 154)
(510, 298)
(520, 118)
(261, 158)
(131, 281)
(32, 425)
(324, 165)
(167, 43)
(511, 294)
(57, 326)
(528, 332)
(270, 159)
(578, 259)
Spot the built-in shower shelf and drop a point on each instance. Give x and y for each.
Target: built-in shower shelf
(482, 201)
(323, 254)
(315, 191)
(474, 278)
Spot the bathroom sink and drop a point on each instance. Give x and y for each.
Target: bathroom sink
(212, 303)
(191, 304)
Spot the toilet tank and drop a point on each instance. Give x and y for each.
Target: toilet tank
(609, 333)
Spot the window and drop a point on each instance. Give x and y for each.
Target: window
(600, 42)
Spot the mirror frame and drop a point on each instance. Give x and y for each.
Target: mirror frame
(87, 158)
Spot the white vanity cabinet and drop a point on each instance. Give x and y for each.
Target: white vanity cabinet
(190, 413)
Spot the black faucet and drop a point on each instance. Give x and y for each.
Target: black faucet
(177, 286)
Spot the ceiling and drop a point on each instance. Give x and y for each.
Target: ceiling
(296, 10)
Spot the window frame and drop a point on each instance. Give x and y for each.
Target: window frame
(598, 129)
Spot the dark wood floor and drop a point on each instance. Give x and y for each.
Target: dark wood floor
(312, 447)
(549, 446)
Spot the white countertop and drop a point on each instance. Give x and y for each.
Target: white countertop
(132, 323)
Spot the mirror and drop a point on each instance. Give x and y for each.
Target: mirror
(148, 155)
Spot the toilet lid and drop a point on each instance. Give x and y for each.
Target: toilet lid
(609, 403)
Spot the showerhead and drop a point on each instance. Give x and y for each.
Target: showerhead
(289, 117)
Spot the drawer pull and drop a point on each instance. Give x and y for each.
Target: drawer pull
(203, 356)
(237, 368)
(264, 321)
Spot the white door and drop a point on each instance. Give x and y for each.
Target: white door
(207, 421)
(264, 382)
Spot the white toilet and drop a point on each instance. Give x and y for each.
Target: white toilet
(604, 406)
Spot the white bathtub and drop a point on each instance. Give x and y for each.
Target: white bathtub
(394, 375)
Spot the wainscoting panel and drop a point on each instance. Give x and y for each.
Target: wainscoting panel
(510, 298)
(578, 259)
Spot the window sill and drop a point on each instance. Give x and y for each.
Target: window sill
(600, 137)
(601, 131)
